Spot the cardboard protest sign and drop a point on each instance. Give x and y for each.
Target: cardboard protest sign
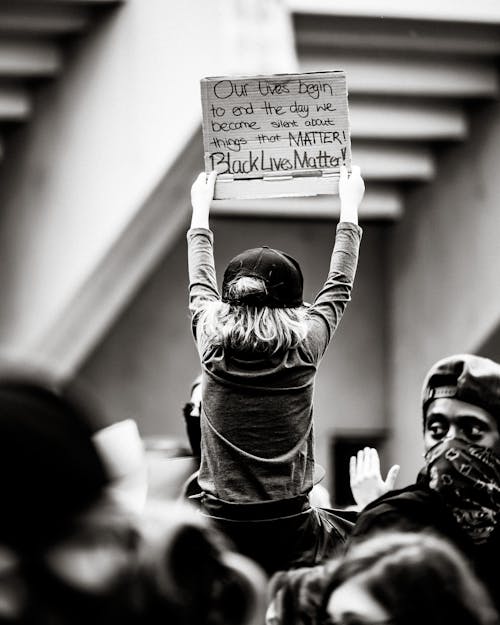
(277, 135)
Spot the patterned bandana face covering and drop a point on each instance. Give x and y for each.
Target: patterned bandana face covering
(468, 478)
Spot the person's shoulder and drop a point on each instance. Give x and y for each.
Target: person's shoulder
(410, 508)
(413, 493)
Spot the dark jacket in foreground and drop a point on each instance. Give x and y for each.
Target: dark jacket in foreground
(417, 508)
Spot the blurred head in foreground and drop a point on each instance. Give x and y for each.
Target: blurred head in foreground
(71, 554)
(189, 575)
(394, 577)
(50, 469)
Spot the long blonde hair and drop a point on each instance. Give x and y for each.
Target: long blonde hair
(251, 328)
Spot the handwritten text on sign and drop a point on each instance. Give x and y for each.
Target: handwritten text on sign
(275, 125)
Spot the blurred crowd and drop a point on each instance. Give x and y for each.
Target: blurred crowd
(245, 534)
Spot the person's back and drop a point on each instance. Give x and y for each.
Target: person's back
(257, 426)
(259, 348)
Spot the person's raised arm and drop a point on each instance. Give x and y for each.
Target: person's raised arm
(329, 305)
(202, 278)
(202, 194)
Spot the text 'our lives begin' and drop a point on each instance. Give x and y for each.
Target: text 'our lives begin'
(264, 126)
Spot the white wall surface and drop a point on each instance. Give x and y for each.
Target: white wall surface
(103, 134)
(445, 259)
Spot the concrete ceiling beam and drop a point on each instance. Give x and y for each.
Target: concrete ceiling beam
(393, 161)
(378, 203)
(40, 20)
(479, 11)
(15, 104)
(417, 37)
(402, 76)
(29, 58)
(402, 120)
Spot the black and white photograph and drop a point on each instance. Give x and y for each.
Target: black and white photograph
(249, 312)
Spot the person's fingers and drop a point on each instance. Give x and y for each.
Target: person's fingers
(352, 468)
(355, 170)
(374, 462)
(360, 463)
(198, 184)
(199, 181)
(211, 182)
(367, 467)
(392, 476)
(343, 174)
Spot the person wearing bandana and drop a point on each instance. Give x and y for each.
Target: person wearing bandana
(457, 493)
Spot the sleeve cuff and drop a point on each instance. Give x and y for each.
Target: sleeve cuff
(192, 232)
(348, 225)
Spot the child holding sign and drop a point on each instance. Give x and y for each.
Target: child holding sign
(259, 347)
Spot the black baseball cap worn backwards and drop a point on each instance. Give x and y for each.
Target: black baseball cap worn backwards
(470, 378)
(280, 272)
